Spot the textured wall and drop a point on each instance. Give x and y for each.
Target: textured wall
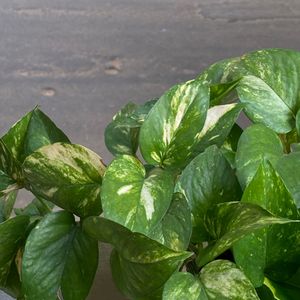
(82, 60)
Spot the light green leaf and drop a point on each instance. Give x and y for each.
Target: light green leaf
(298, 122)
(133, 198)
(175, 229)
(58, 255)
(256, 144)
(229, 222)
(12, 234)
(169, 132)
(68, 175)
(31, 132)
(7, 184)
(140, 265)
(275, 249)
(288, 167)
(206, 181)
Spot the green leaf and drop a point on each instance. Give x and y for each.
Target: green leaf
(229, 222)
(275, 249)
(6, 205)
(219, 279)
(206, 181)
(120, 138)
(219, 121)
(37, 207)
(58, 255)
(175, 229)
(169, 132)
(30, 133)
(277, 291)
(7, 184)
(298, 122)
(68, 175)
(12, 234)
(140, 265)
(256, 144)
(288, 168)
(133, 198)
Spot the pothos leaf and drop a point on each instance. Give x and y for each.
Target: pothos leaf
(140, 265)
(229, 222)
(68, 175)
(168, 134)
(298, 122)
(7, 203)
(206, 181)
(223, 92)
(274, 249)
(255, 144)
(58, 255)
(219, 279)
(37, 207)
(133, 198)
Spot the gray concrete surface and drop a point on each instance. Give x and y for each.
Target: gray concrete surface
(82, 60)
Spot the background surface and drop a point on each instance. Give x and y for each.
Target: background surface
(82, 60)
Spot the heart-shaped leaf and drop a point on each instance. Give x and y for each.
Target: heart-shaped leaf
(175, 229)
(140, 265)
(206, 181)
(169, 132)
(68, 175)
(12, 234)
(288, 168)
(133, 198)
(58, 255)
(219, 279)
(275, 249)
(256, 144)
(229, 222)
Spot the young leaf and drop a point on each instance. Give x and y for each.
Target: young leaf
(169, 133)
(256, 143)
(288, 168)
(68, 175)
(229, 222)
(30, 133)
(58, 255)
(175, 229)
(219, 279)
(12, 234)
(275, 249)
(206, 181)
(133, 198)
(140, 265)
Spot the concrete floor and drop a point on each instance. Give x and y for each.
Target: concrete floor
(82, 60)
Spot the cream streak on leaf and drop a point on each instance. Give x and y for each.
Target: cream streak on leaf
(147, 201)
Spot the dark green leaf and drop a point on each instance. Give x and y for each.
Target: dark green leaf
(68, 175)
(31, 132)
(256, 144)
(6, 205)
(229, 222)
(288, 167)
(37, 207)
(206, 181)
(140, 265)
(131, 198)
(58, 255)
(169, 133)
(175, 229)
(275, 249)
(12, 234)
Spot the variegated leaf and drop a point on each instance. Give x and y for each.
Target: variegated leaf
(12, 234)
(256, 144)
(7, 203)
(58, 255)
(274, 249)
(175, 229)
(68, 175)
(31, 132)
(231, 221)
(169, 133)
(288, 167)
(37, 207)
(140, 265)
(133, 198)
(206, 181)
(219, 279)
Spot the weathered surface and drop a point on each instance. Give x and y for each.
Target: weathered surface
(82, 60)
